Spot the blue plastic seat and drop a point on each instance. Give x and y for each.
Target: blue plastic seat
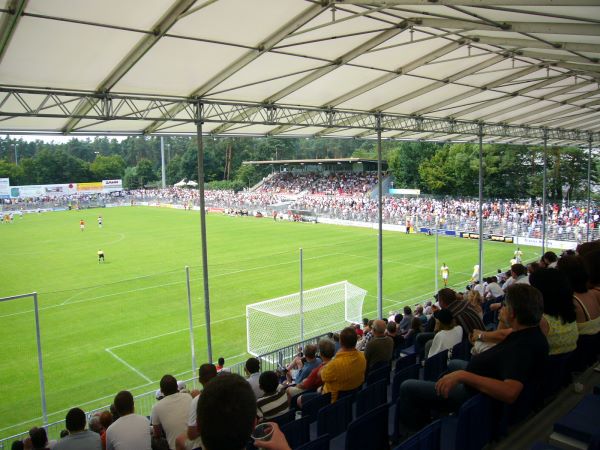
(429, 438)
(382, 373)
(405, 361)
(408, 373)
(311, 408)
(334, 418)
(297, 432)
(321, 443)
(435, 366)
(284, 418)
(462, 350)
(581, 422)
(370, 431)
(471, 427)
(371, 397)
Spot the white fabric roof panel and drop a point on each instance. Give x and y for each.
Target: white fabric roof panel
(456, 59)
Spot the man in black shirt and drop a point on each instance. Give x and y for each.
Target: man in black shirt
(499, 372)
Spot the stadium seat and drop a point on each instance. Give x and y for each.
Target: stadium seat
(284, 418)
(462, 350)
(471, 427)
(382, 373)
(321, 443)
(586, 353)
(408, 373)
(311, 408)
(379, 365)
(371, 397)
(405, 361)
(581, 423)
(556, 376)
(334, 418)
(368, 432)
(429, 438)
(543, 446)
(435, 366)
(297, 432)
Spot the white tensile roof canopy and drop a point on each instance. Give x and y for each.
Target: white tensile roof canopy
(514, 71)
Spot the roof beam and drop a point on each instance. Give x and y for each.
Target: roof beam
(562, 112)
(392, 75)
(472, 92)
(533, 101)
(391, 3)
(438, 84)
(9, 23)
(507, 97)
(344, 59)
(532, 43)
(576, 29)
(136, 53)
(271, 41)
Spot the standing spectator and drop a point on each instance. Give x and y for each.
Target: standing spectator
(381, 348)
(78, 438)
(171, 412)
(252, 369)
(347, 370)
(130, 431)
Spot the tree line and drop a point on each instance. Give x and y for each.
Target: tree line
(441, 169)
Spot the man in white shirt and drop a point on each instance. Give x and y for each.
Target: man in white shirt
(130, 431)
(252, 369)
(447, 334)
(171, 412)
(493, 289)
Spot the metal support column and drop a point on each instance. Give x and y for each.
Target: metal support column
(162, 162)
(437, 238)
(200, 144)
(191, 321)
(380, 223)
(480, 203)
(38, 337)
(301, 298)
(544, 188)
(589, 190)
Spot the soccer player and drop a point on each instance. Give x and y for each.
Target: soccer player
(100, 256)
(99, 221)
(445, 271)
(81, 225)
(518, 255)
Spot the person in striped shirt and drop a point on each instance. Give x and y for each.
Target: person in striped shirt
(274, 403)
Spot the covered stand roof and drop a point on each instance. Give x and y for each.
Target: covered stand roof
(515, 71)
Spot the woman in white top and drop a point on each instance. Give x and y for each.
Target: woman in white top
(447, 333)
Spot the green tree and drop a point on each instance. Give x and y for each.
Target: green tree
(145, 172)
(404, 161)
(247, 175)
(131, 179)
(108, 167)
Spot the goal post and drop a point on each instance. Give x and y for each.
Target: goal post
(276, 323)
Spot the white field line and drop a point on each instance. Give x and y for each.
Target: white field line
(125, 363)
(29, 311)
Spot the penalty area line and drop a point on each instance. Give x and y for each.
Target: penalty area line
(125, 363)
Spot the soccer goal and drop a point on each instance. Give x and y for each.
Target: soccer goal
(279, 322)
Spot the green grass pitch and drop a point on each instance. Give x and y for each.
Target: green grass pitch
(123, 324)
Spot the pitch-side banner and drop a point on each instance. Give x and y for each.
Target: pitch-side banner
(92, 188)
(4, 187)
(43, 190)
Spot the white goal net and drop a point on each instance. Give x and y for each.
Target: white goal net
(276, 323)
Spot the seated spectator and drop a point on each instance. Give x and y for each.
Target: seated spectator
(347, 370)
(500, 372)
(220, 364)
(474, 299)
(549, 260)
(367, 336)
(493, 289)
(464, 314)
(381, 348)
(17, 445)
(191, 438)
(37, 440)
(130, 431)
(170, 414)
(227, 416)
(587, 301)
(274, 403)
(447, 333)
(312, 361)
(359, 331)
(415, 328)
(79, 438)
(106, 420)
(392, 331)
(252, 369)
(558, 322)
(405, 324)
(313, 381)
(419, 312)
